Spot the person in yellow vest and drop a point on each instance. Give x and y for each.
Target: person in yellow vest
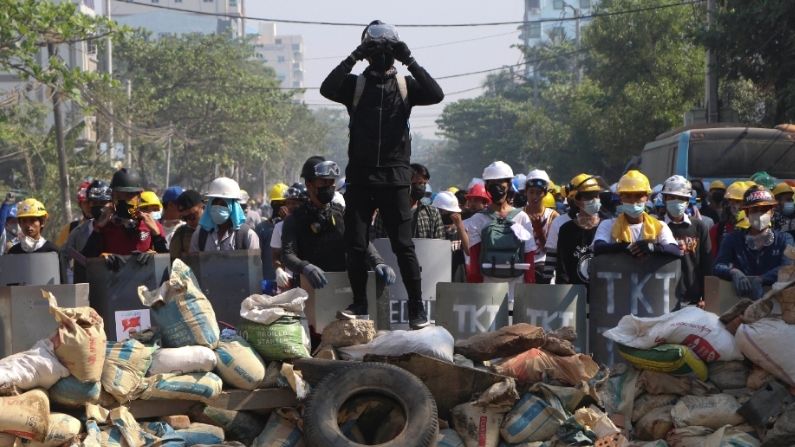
(32, 217)
(634, 231)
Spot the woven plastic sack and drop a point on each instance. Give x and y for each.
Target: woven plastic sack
(670, 359)
(284, 339)
(238, 363)
(37, 367)
(126, 363)
(79, 341)
(201, 387)
(73, 393)
(25, 416)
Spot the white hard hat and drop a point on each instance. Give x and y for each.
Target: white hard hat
(498, 170)
(475, 181)
(446, 201)
(538, 178)
(677, 186)
(224, 188)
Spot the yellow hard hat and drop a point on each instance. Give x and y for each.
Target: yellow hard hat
(582, 183)
(736, 190)
(453, 189)
(634, 181)
(277, 191)
(717, 184)
(148, 198)
(782, 188)
(553, 188)
(31, 208)
(548, 201)
(742, 221)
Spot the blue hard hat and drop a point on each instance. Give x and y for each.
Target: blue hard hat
(171, 193)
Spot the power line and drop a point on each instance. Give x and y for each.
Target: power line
(417, 25)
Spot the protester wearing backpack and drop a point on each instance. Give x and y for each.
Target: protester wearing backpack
(222, 225)
(499, 246)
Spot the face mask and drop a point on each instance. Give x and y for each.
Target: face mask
(788, 209)
(28, 244)
(156, 215)
(123, 209)
(426, 201)
(96, 211)
(325, 195)
(417, 192)
(447, 219)
(676, 208)
(219, 214)
(520, 200)
(759, 221)
(592, 207)
(497, 192)
(633, 210)
(382, 62)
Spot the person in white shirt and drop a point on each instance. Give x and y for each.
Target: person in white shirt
(222, 225)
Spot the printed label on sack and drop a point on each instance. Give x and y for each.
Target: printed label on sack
(702, 348)
(484, 420)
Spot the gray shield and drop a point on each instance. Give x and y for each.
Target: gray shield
(469, 309)
(30, 269)
(552, 307)
(322, 306)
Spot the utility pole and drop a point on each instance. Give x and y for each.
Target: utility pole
(109, 42)
(60, 145)
(711, 83)
(577, 67)
(128, 145)
(168, 153)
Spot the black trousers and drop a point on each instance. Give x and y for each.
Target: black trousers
(394, 205)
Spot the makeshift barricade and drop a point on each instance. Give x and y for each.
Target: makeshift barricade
(33, 269)
(469, 309)
(227, 278)
(553, 307)
(719, 295)
(114, 294)
(623, 285)
(435, 259)
(323, 304)
(25, 317)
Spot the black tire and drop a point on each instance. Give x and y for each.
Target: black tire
(419, 406)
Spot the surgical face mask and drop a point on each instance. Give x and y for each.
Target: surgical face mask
(219, 214)
(759, 221)
(156, 215)
(788, 208)
(28, 244)
(325, 195)
(417, 191)
(676, 208)
(497, 191)
(633, 210)
(591, 207)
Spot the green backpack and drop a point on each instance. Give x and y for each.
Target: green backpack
(500, 247)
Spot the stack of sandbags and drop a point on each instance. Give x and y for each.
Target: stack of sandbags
(272, 325)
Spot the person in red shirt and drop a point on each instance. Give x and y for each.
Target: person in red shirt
(122, 229)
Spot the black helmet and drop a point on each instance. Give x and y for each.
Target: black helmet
(99, 191)
(126, 181)
(308, 170)
(297, 192)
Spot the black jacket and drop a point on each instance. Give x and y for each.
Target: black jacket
(380, 141)
(312, 236)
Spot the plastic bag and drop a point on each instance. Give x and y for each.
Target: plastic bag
(697, 329)
(37, 367)
(433, 341)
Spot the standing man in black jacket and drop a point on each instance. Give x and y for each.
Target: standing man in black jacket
(379, 103)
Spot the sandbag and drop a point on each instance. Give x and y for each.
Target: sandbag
(648, 402)
(477, 426)
(73, 393)
(660, 383)
(265, 309)
(284, 339)
(667, 358)
(433, 341)
(281, 430)
(125, 425)
(179, 308)
(37, 367)
(766, 344)
(535, 364)
(8, 440)
(184, 360)
(199, 433)
(695, 328)
(655, 424)
(238, 363)
(126, 363)
(201, 387)
(449, 438)
(593, 419)
(712, 411)
(729, 375)
(238, 426)
(79, 341)
(726, 436)
(25, 416)
(532, 419)
(61, 429)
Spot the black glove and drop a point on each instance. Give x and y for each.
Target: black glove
(114, 263)
(362, 51)
(646, 247)
(742, 285)
(143, 258)
(315, 275)
(757, 290)
(402, 53)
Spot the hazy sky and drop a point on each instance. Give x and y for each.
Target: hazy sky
(493, 50)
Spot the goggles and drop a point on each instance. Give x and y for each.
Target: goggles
(381, 33)
(102, 193)
(537, 183)
(327, 169)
